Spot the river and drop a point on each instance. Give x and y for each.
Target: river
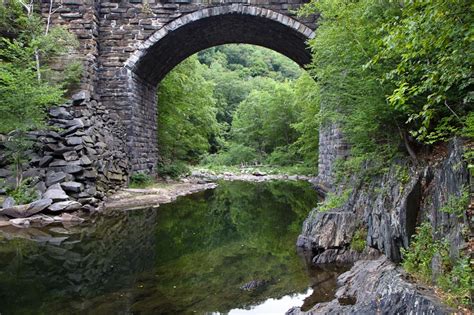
(230, 250)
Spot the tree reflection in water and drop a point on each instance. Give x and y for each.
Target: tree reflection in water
(192, 256)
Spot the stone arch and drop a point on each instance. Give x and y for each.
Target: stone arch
(236, 23)
(184, 36)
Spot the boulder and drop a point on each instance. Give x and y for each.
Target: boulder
(54, 178)
(38, 218)
(87, 139)
(65, 206)
(57, 149)
(85, 161)
(24, 211)
(4, 221)
(72, 186)
(72, 169)
(45, 160)
(60, 113)
(70, 156)
(66, 217)
(74, 141)
(56, 193)
(5, 173)
(38, 206)
(325, 230)
(20, 222)
(378, 287)
(8, 203)
(80, 96)
(58, 163)
(69, 130)
(76, 122)
(41, 187)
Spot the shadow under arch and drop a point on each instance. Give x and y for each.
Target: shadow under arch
(209, 27)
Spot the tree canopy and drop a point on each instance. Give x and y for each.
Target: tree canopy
(254, 106)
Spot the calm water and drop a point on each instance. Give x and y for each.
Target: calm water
(226, 251)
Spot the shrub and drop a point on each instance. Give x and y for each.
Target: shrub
(24, 193)
(417, 258)
(173, 170)
(333, 201)
(140, 180)
(456, 205)
(457, 283)
(359, 240)
(235, 155)
(456, 277)
(282, 156)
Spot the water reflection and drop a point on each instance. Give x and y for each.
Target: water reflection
(227, 251)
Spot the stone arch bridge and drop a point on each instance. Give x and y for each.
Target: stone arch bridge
(127, 47)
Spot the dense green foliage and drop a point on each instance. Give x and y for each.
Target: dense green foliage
(237, 104)
(28, 85)
(383, 73)
(454, 278)
(186, 113)
(417, 259)
(140, 180)
(394, 73)
(359, 240)
(457, 205)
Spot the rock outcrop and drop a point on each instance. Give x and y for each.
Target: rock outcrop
(377, 287)
(389, 208)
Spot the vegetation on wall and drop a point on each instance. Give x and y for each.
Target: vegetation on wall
(28, 84)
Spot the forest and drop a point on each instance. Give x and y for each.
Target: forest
(237, 105)
(396, 87)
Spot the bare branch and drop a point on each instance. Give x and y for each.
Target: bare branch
(48, 21)
(452, 111)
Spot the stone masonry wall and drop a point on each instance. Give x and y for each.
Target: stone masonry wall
(332, 146)
(81, 17)
(74, 165)
(111, 33)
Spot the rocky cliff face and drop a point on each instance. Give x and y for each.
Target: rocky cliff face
(389, 208)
